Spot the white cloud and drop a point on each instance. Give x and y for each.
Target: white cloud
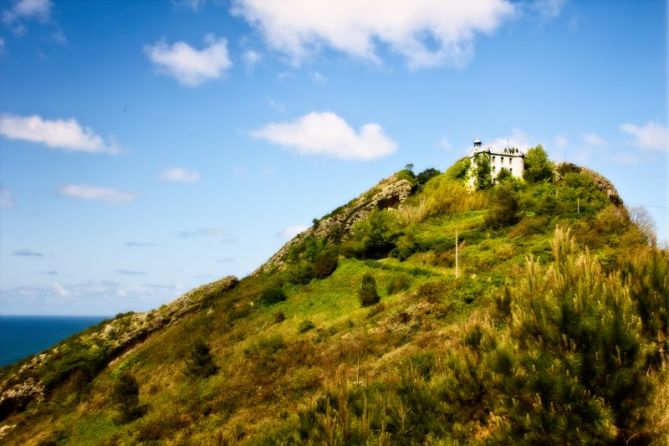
(28, 9)
(207, 232)
(251, 59)
(64, 134)
(106, 194)
(6, 199)
(426, 32)
(650, 136)
(518, 139)
(593, 139)
(190, 66)
(180, 174)
(60, 290)
(291, 231)
(326, 133)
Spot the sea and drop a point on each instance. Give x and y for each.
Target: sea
(22, 336)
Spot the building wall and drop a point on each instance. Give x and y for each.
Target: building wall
(514, 163)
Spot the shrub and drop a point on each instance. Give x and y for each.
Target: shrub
(427, 175)
(459, 170)
(305, 326)
(272, 295)
(325, 264)
(125, 396)
(200, 363)
(279, 317)
(300, 273)
(398, 283)
(431, 291)
(537, 165)
(482, 175)
(504, 208)
(367, 293)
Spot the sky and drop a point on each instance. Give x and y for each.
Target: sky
(149, 147)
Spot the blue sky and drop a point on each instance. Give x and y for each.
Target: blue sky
(148, 147)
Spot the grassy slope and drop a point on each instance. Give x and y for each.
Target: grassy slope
(269, 370)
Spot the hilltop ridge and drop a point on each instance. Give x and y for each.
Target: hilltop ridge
(549, 329)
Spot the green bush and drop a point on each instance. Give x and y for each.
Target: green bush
(537, 166)
(459, 170)
(397, 284)
(200, 363)
(367, 293)
(504, 208)
(482, 175)
(325, 264)
(272, 295)
(427, 175)
(125, 396)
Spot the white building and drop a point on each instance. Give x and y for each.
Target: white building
(509, 158)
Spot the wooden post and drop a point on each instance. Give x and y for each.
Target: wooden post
(578, 205)
(457, 266)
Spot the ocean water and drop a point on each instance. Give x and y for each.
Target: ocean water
(21, 336)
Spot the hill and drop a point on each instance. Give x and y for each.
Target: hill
(547, 327)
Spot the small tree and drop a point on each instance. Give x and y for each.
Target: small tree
(504, 210)
(325, 264)
(367, 293)
(537, 165)
(200, 363)
(426, 175)
(272, 295)
(125, 396)
(482, 175)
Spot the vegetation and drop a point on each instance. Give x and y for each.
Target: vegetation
(367, 293)
(125, 396)
(554, 332)
(537, 165)
(200, 363)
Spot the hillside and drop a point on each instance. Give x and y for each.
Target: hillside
(358, 331)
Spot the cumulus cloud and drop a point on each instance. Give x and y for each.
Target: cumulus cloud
(191, 66)
(593, 139)
(518, 139)
(180, 174)
(425, 32)
(650, 136)
(27, 253)
(63, 134)
(291, 231)
(328, 134)
(6, 199)
(100, 193)
(28, 9)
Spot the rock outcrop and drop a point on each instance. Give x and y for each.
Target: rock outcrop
(389, 193)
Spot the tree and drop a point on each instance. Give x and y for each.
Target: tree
(200, 363)
(537, 165)
(504, 208)
(125, 396)
(482, 175)
(503, 175)
(325, 264)
(426, 175)
(367, 293)
(272, 295)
